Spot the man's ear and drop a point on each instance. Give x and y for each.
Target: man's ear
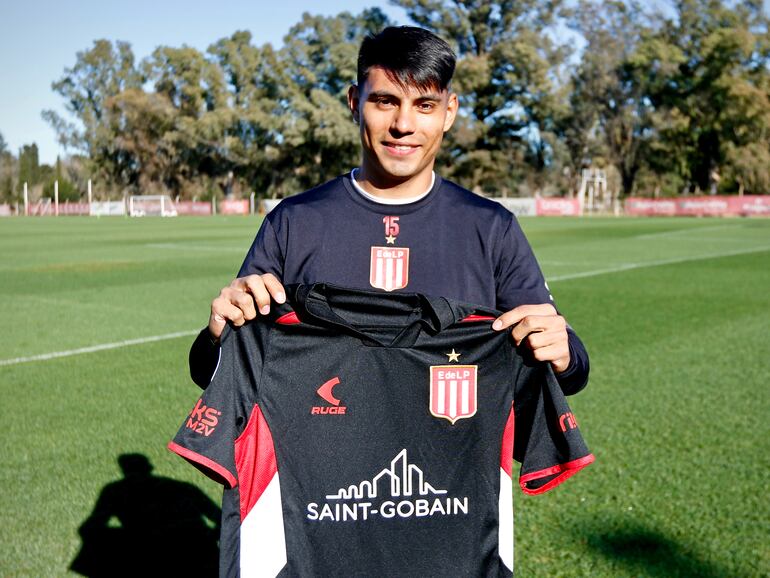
(353, 102)
(451, 110)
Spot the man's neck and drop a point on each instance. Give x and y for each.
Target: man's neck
(416, 186)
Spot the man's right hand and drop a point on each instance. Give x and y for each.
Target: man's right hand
(240, 301)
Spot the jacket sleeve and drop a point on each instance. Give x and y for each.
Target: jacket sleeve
(264, 256)
(519, 281)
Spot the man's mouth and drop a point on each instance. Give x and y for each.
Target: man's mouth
(400, 149)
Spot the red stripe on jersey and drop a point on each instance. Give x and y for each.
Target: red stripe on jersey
(565, 471)
(471, 318)
(288, 319)
(254, 460)
(506, 454)
(206, 465)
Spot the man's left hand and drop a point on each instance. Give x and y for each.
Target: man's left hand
(542, 330)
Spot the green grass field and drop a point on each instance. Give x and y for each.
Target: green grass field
(675, 314)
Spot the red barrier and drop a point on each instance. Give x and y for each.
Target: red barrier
(557, 207)
(74, 209)
(193, 208)
(750, 205)
(233, 207)
(701, 206)
(5, 210)
(650, 207)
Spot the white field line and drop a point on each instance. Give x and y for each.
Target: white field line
(617, 269)
(185, 247)
(102, 347)
(685, 231)
(631, 266)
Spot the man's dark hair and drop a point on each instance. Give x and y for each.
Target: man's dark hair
(410, 56)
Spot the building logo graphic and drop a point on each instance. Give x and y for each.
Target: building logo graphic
(399, 490)
(389, 268)
(453, 391)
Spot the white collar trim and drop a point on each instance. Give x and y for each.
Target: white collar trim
(385, 201)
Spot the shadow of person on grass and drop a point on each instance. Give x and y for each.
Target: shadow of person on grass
(648, 553)
(147, 525)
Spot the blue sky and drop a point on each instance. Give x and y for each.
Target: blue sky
(39, 38)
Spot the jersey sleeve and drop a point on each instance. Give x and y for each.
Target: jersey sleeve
(266, 255)
(519, 281)
(208, 434)
(518, 278)
(547, 440)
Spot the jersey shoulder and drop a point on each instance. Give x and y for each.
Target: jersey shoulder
(461, 198)
(317, 198)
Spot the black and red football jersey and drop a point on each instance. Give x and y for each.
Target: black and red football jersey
(369, 434)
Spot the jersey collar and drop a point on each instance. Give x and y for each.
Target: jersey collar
(350, 311)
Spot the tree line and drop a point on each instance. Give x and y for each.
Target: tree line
(669, 98)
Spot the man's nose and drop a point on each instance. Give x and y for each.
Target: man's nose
(403, 121)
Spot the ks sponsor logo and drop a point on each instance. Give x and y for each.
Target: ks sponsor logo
(325, 391)
(398, 491)
(203, 419)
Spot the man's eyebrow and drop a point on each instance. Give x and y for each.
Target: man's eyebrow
(375, 94)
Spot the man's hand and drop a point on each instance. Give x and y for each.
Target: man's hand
(542, 329)
(241, 299)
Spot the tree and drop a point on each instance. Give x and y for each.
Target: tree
(609, 113)
(318, 61)
(67, 190)
(507, 79)
(29, 165)
(708, 72)
(8, 168)
(254, 84)
(194, 87)
(100, 73)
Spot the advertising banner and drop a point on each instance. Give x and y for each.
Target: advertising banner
(193, 208)
(701, 206)
(74, 209)
(231, 207)
(108, 208)
(267, 205)
(557, 207)
(750, 205)
(518, 206)
(650, 207)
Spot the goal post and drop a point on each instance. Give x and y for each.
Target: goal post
(151, 206)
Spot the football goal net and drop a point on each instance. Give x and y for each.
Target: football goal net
(151, 206)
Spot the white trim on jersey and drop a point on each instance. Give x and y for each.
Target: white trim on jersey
(219, 360)
(263, 544)
(387, 201)
(505, 529)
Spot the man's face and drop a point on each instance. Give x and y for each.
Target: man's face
(401, 129)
